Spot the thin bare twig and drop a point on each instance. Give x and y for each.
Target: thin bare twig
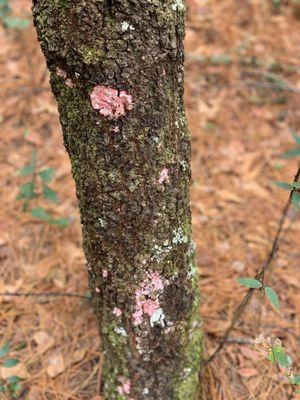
(259, 276)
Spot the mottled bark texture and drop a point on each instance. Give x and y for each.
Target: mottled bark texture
(117, 74)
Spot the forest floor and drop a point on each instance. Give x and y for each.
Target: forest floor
(242, 98)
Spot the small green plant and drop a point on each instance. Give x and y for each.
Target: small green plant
(276, 4)
(256, 284)
(7, 20)
(10, 386)
(274, 352)
(39, 178)
(294, 186)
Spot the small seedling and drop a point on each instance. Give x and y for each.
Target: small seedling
(10, 386)
(39, 178)
(293, 187)
(274, 352)
(256, 284)
(7, 20)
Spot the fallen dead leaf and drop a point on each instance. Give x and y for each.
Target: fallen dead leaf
(34, 393)
(238, 266)
(12, 289)
(248, 372)
(44, 341)
(18, 370)
(257, 190)
(229, 196)
(249, 353)
(56, 365)
(77, 356)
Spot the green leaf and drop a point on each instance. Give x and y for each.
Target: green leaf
(2, 389)
(47, 174)
(88, 295)
(49, 194)
(16, 23)
(250, 283)
(27, 170)
(283, 359)
(291, 153)
(13, 379)
(277, 355)
(4, 350)
(11, 362)
(40, 213)
(296, 380)
(62, 222)
(284, 185)
(272, 296)
(296, 199)
(21, 346)
(26, 191)
(296, 138)
(15, 389)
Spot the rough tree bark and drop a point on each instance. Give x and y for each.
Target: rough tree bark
(117, 74)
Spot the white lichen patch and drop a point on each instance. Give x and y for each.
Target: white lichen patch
(125, 26)
(179, 236)
(145, 391)
(192, 271)
(161, 251)
(102, 223)
(178, 5)
(192, 248)
(158, 318)
(184, 165)
(120, 331)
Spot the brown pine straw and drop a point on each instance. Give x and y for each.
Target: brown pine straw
(260, 275)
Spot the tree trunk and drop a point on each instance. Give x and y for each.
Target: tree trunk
(117, 74)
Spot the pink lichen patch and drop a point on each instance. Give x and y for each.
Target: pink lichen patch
(60, 72)
(97, 290)
(110, 103)
(150, 306)
(156, 280)
(146, 297)
(104, 273)
(117, 312)
(164, 176)
(116, 129)
(69, 83)
(125, 387)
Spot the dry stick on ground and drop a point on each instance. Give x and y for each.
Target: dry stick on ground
(259, 276)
